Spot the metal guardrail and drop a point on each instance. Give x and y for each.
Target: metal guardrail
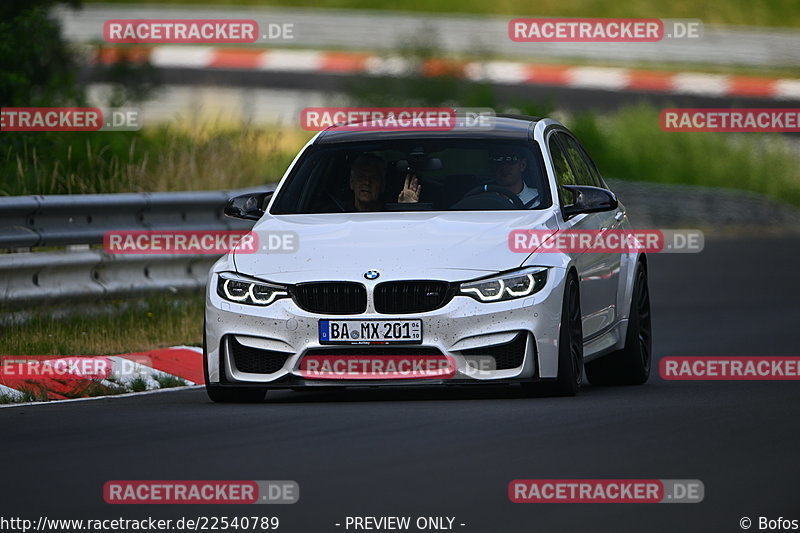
(33, 278)
(62, 220)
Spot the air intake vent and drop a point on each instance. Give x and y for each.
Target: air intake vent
(506, 356)
(255, 360)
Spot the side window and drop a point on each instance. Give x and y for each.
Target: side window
(564, 175)
(583, 174)
(592, 166)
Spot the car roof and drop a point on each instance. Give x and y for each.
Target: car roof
(506, 126)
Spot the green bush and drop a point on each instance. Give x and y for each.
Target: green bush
(630, 144)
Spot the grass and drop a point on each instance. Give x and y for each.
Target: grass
(97, 388)
(141, 325)
(137, 384)
(25, 395)
(165, 158)
(8, 398)
(631, 145)
(779, 13)
(167, 381)
(92, 388)
(32, 395)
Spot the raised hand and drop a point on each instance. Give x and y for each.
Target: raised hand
(411, 190)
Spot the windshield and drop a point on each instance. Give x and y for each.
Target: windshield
(420, 175)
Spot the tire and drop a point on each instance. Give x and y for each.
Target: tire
(219, 394)
(570, 347)
(630, 365)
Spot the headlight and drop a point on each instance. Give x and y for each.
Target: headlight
(244, 291)
(507, 286)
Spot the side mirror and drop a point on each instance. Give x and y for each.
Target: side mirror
(589, 200)
(248, 206)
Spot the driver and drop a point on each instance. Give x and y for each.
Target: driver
(368, 183)
(508, 165)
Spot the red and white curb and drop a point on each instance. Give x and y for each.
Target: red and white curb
(508, 72)
(75, 377)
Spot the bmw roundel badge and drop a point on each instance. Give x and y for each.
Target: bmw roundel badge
(372, 274)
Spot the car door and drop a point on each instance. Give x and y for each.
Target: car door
(598, 271)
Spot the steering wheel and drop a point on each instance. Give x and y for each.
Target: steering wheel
(499, 190)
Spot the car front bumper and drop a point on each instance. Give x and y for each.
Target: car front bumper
(286, 331)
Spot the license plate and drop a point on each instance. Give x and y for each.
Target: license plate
(370, 331)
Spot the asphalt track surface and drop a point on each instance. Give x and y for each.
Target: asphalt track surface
(453, 452)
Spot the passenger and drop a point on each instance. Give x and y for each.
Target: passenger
(368, 183)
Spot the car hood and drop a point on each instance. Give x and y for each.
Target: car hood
(449, 246)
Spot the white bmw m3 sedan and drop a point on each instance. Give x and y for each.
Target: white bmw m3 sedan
(397, 263)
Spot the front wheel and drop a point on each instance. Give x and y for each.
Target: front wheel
(570, 347)
(630, 365)
(570, 342)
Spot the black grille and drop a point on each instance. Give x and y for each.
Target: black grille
(256, 360)
(402, 297)
(331, 298)
(506, 356)
(375, 350)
